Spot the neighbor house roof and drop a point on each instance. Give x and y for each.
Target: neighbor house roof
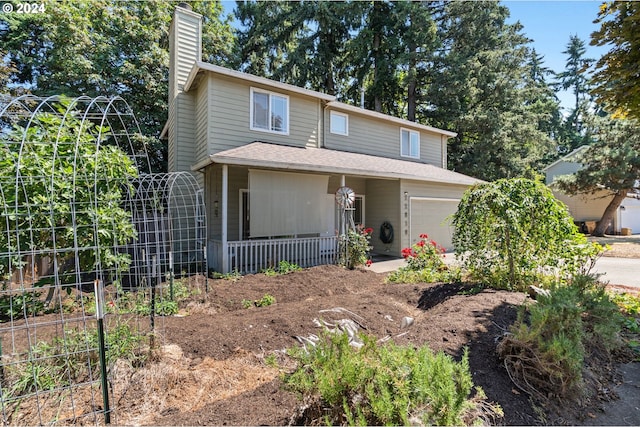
(267, 155)
(571, 157)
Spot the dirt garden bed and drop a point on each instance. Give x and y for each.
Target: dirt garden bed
(216, 364)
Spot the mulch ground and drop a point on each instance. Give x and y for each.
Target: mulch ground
(218, 332)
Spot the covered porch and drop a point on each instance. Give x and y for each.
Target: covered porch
(302, 227)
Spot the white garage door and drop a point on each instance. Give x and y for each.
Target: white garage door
(428, 216)
(630, 217)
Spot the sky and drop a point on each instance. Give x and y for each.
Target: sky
(549, 23)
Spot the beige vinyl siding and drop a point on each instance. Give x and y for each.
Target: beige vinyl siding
(187, 35)
(444, 150)
(368, 135)
(185, 47)
(171, 146)
(229, 121)
(185, 131)
(561, 168)
(202, 125)
(585, 207)
(358, 185)
(384, 203)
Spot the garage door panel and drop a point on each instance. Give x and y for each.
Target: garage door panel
(630, 218)
(429, 216)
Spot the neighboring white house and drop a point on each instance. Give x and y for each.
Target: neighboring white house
(272, 155)
(590, 207)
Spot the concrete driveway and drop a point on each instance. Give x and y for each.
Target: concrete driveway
(619, 271)
(616, 271)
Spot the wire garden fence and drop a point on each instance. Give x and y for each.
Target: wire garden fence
(94, 249)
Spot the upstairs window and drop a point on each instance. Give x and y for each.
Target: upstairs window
(339, 123)
(409, 143)
(269, 111)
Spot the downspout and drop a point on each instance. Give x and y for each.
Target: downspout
(225, 199)
(323, 127)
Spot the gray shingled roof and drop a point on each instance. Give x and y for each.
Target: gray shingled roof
(266, 155)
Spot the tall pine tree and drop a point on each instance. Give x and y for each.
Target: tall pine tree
(479, 91)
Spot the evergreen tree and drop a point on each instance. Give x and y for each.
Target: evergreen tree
(575, 78)
(479, 90)
(301, 43)
(543, 103)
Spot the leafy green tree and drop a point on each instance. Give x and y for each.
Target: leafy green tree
(61, 191)
(611, 163)
(512, 232)
(479, 90)
(616, 80)
(107, 47)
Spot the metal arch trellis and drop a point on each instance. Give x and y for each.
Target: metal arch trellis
(168, 212)
(79, 204)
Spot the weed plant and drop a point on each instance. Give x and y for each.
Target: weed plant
(382, 384)
(70, 359)
(265, 301)
(284, 267)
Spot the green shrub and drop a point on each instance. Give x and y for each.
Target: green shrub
(382, 384)
(406, 275)
(512, 233)
(545, 352)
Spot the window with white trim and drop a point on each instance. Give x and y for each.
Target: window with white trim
(269, 111)
(339, 123)
(409, 143)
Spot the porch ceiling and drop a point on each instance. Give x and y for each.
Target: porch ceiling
(274, 156)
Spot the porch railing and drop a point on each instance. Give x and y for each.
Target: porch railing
(252, 256)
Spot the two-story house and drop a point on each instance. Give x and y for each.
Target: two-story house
(271, 157)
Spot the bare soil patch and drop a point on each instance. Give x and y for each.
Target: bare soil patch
(213, 370)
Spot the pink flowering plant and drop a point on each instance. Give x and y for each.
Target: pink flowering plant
(355, 247)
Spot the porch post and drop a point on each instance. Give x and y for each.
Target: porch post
(343, 181)
(225, 200)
